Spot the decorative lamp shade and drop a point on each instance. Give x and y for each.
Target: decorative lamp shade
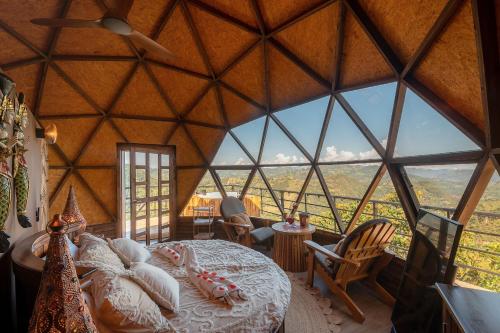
(72, 215)
(51, 134)
(59, 305)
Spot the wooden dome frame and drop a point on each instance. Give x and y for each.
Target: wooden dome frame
(213, 105)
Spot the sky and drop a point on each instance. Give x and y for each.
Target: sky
(422, 131)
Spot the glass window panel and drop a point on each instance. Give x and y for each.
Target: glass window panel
(278, 149)
(305, 122)
(478, 257)
(315, 203)
(205, 194)
(233, 180)
(165, 190)
(126, 190)
(374, 106)
(250, 135)
(165, 174)
(384, 203)
(140, 209)
(140, 191)
(153, 191)
(153, 169)
(286, 182)
(140, 175)
(344, 141)
(230, 153)
(347, 184)
(440, 187)
(165, 204)
(424, 131)
(258, 201)
(140, 158)
(165, 160)
(153, 209)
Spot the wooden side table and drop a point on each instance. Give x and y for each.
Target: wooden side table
(289, 249)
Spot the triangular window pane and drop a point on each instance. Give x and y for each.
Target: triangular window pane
(347, 184)
(250, 135)
(374, 106)
(315, 203)
(230, 153)
(278, 149)
(344, 141)
(305, 121)
(479, 244)
(259, 202)
(423, 131)
(233, 181)
(286, 182)
(440, 187)
(206, 194)
(384, 203)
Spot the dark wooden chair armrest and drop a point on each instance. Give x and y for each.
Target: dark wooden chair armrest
(331, 255)
(237, 225)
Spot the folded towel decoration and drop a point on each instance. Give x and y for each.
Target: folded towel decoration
(210, 284)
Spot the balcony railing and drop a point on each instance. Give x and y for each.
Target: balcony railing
(478, 243)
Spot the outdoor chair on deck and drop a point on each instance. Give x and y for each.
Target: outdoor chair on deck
(361, 255)
(244, 234)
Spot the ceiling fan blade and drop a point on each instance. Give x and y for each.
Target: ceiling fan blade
(149, 45)
(67, 23)
(119, 8)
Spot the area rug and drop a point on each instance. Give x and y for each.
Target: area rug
(309, 311)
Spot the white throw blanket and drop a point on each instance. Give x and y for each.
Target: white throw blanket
(210, 284)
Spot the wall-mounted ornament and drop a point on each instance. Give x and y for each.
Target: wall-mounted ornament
(72, 214)
(20, 167)
(7, 114)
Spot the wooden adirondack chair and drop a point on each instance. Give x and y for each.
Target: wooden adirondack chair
(360, 256)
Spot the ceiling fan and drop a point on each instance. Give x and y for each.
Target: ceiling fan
(114, 20)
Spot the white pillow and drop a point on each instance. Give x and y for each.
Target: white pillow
(157, 283)
(73, 249)
(129, 250)
(95, 252)
(123, 306)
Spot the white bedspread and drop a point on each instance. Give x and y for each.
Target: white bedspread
(265, 283)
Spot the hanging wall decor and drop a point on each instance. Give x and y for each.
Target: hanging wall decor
(7, 113)
(19, 165)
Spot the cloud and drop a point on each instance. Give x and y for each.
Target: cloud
(332, 154)
(240, 161)
(281, 158)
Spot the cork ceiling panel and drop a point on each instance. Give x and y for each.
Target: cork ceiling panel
(454, 76)
(55, 158)
(72, 134)
(278, 12)
(187, 181)
(16, 50)
(314, 40)
(55, 176)
(26, 79)
(239, 110)
(101, 80)
(404, 24)
(177, 37)
(289, 84)
(103, 183)
(101, 149)
(252, 68)
(208, 139)
(143, 131)
(145, 16)
(181, 88)
(142, 98)
(59, 98)
(207, 110)
(243, 11)
(223, 41)
(356, 50)
(186, 153)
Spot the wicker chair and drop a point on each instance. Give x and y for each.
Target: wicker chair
(360, 256)
(230, 206)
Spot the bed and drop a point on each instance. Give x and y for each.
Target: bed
(265, 283)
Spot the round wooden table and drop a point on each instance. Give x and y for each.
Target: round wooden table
(289, 249)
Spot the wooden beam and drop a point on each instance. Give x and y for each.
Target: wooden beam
(336, 215)
(324, 128)
(242, 146)
(221, 107)
(160, 90)
(258, 16)
(360, 124)
(217, 182)
(453, 116)
(273, 195)
(475, 189)
(263, 141)
(366, 197)
(178, 69)
(165, 17)
(496, 161)
(292, 138)
(437, 28)
(59, 186)
(374, 160)
(69, 116)
(489, 66)
(94, 195)
(357, 86)
(122, 88)
(472, 156)
(405, 193)
(339, 46)
(303, 190)
(247, 183)
(92, 57)
(4, 26)
(242, 96)
(23, 62)
(397, 112)
(239, 57)
(374, 34)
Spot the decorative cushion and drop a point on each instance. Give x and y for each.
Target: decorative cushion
(326, 263)
(158, 284)
(73, 249)
(123, 306)
(129, 250)
(244, 219)
(95, 252)
(260, 235)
